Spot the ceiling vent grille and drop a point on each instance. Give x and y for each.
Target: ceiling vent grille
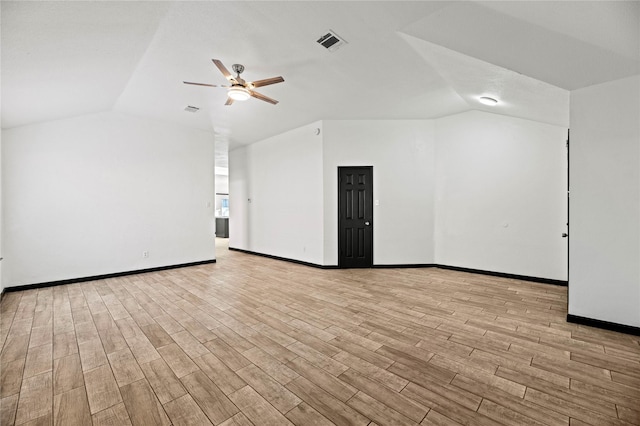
(331, 41)
(190, 108)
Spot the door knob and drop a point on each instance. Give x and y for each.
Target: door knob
(367, 223)
(565, 235)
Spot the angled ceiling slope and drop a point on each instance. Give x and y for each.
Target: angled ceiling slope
(569, 44)
(402, 60)
(519, 95)
(373, 76)
(63, 59)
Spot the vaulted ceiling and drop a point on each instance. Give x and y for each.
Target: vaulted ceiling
(404, 60)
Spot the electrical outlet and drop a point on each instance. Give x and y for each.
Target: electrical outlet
(145, 254)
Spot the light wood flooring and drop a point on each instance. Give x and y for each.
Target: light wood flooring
(251, 340)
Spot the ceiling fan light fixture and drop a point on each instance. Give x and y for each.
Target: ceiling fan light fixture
(238, 93)
(240, 89)
(488, 101)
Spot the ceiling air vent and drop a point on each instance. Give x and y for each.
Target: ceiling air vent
(190, 108)
(331, 41)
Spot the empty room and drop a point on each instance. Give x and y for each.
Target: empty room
(320, 213)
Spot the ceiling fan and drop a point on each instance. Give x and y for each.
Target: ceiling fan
(241, 90)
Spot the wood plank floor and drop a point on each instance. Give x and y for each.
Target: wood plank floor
(251, 340)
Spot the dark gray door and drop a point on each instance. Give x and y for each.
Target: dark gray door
(355, 217)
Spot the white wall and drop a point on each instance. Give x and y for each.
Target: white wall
(282, 178)
(239, 190)
(86, 196)
(222, 184)
(501, 195)
(605, 202)
(474, 190)
(402, 155)
(1, 219)
(222, 187)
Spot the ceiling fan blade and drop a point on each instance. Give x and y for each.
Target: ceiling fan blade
(229, 101)
(263, 97)
(267, 81)
(200, 84)
(224, 70)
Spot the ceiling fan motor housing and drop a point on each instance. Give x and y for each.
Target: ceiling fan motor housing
(237, 68)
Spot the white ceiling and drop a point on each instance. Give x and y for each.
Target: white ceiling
(405, 60)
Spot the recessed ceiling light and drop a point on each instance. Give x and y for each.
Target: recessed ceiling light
(488, 101)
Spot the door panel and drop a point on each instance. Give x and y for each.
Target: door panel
(355, 217)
